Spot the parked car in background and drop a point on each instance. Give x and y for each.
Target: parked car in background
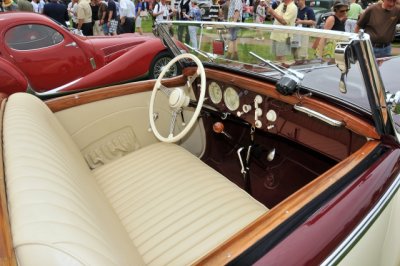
(52, 57)
(257, 160)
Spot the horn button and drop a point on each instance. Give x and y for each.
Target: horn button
(178, 99)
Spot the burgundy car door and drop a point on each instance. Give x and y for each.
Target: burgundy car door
(49, 57)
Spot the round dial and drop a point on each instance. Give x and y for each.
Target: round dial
(231, 99)
(215, 92)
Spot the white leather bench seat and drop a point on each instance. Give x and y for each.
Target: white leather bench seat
(174, 207)
(157, 206)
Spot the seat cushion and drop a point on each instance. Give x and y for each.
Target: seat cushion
(58, 213)
(174, 207)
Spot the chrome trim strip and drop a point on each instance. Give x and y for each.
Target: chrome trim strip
(320, 116)
(363, 227)
(50, 92)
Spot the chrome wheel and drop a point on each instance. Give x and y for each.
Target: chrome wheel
(160, 64)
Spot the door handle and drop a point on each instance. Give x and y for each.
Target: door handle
(72, 44)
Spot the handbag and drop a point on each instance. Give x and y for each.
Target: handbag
(144, 13)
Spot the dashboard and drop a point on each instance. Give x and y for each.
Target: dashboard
(259, 110)
(273, 113)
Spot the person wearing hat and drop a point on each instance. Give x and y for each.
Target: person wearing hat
(379, 21)
(9, 5)
(337, 22)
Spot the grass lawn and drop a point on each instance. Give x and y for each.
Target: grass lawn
(147, 25)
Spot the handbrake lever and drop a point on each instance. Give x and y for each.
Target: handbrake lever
(245, 167)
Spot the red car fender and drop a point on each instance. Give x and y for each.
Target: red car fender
(112, 74)
(12, 79)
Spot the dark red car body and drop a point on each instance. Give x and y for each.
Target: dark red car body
(72, 61)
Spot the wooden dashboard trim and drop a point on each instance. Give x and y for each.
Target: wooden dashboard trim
(270, 220)
(351, 122)
(7, 255)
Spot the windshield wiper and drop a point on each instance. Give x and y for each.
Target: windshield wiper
(287, 85)
(281, 69)
(206, 55)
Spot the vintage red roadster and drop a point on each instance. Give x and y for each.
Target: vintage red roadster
(254, 160)
(51, 57)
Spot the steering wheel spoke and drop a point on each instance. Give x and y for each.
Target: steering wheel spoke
(165, 90)
(190, 80)
(172, 124)
(178, 99)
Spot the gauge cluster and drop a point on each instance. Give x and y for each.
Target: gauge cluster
(254, 108)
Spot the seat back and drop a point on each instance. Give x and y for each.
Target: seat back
(58, 213)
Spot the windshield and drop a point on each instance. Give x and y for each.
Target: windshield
(258, 50)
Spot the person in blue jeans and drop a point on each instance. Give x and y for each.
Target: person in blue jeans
(379, 21)
(194, 15)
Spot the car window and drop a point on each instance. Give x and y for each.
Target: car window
(32, 36)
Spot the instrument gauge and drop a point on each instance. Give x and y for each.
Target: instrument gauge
(215, 92)
(231, 99)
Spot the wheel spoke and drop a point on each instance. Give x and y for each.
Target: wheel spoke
(175, 114)
(159, 66)
(191, 79)
(165, 90)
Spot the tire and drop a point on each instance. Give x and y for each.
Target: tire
(159, 62)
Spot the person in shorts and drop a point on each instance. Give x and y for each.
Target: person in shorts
(305, 18)
(140, 9)
(234, 15)
(285, 14)
(112, 22)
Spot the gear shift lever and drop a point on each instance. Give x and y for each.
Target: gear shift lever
(218, 128)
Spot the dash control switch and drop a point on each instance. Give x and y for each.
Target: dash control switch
(271, 116)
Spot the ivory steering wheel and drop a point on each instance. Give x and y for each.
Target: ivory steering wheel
(178, 99)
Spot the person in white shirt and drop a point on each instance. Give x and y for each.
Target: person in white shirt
(38, 6)
(72, 8)
(127, 16)
(35, 6)
(161, 11)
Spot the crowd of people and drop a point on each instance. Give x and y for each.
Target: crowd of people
(379, 20)
(111, 17)
(88, 17)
